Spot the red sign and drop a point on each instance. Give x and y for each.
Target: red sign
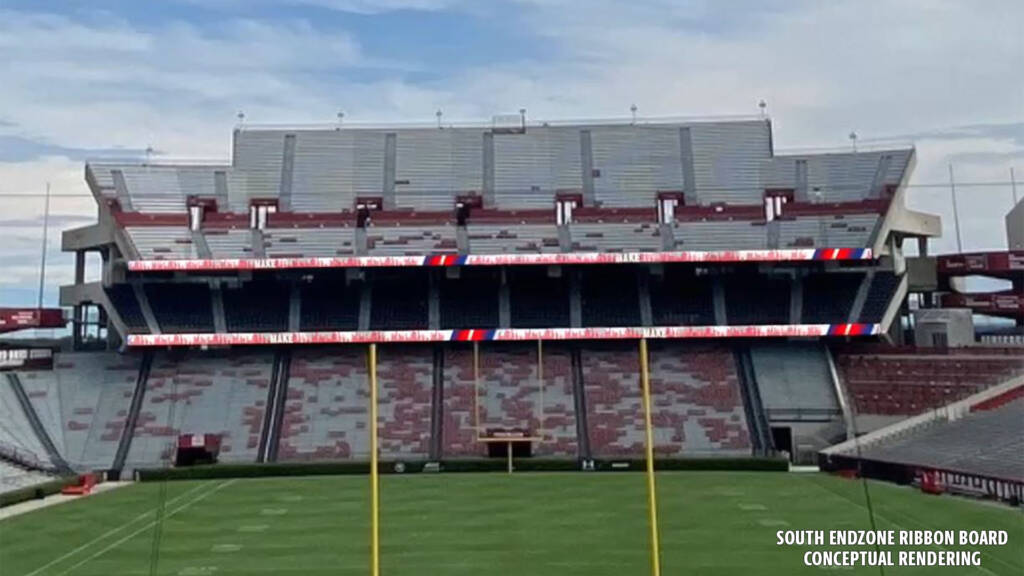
(504, 334)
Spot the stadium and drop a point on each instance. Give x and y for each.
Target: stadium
(509, 347)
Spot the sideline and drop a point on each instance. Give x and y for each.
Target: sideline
(920, 524)
(145, 527)
(55, 499)
(109, 533)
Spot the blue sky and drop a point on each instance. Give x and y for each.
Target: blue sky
(104, 77)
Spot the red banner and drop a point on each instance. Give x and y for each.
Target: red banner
(511, 334)
(788, 255)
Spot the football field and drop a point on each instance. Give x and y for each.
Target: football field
(471, 524)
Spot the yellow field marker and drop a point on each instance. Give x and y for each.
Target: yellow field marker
(652, 493)
(374, 485)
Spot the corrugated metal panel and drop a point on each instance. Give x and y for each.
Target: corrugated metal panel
(322, 175)
(727, 158)
(634, 163)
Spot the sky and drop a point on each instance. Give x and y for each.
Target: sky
(111, 78)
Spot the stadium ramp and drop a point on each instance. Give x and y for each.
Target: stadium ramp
(138, 394)
(38, 429)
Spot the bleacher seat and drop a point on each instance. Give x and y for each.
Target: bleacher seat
(696, 404)
(987, 442)
(896, 383)
(83, 403)
(202, 393)
(14, 477)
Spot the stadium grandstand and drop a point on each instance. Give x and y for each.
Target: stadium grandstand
(504, 273)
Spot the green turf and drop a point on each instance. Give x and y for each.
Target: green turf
(473, 524)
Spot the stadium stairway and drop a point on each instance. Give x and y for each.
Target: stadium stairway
(138, 394)
(277, 395)
(760, 429)
(37, 427)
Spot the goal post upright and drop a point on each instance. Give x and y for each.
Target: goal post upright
(652, 493)
(476, 389)
(374, 480)
(540, 387)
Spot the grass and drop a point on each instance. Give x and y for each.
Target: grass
(473, 524)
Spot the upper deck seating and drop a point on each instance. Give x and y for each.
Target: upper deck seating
(840, 231)
(162, 242)
(410, 240)
(231, 243)
(512, 238)
(616, 237)
(309, 242)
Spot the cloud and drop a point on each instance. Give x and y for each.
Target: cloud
(943, 73)
(22, 149)
(378, 6)
(175, 87)
(365, 7)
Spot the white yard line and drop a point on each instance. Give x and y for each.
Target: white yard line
(145, 527)
(109, 533)
(54, 499)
